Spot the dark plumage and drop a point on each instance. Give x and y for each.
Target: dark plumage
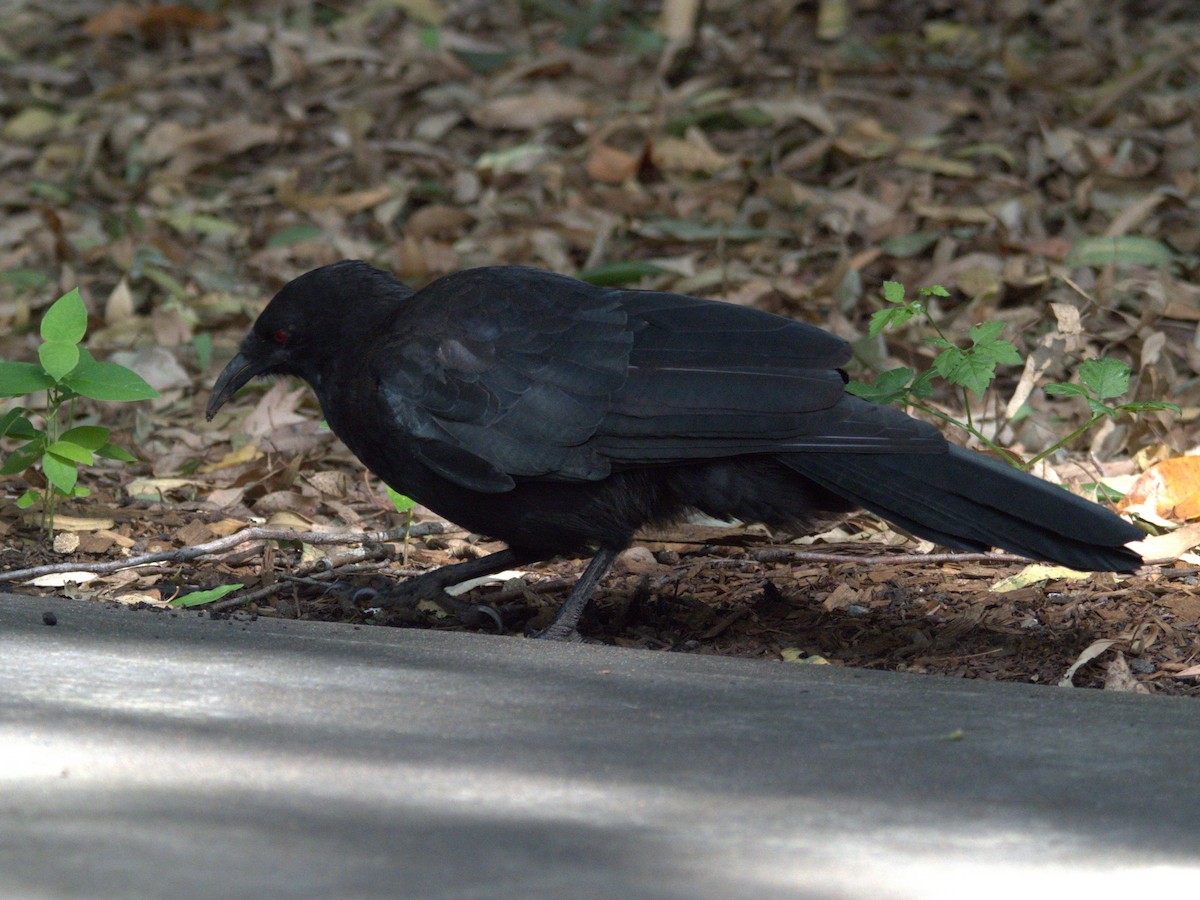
(558, 416)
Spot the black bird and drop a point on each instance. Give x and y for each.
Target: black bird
(558, 416)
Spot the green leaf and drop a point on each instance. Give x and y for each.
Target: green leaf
(60, 472)
(985, 340)
(71, 451)
(903, 246)
(970, 370)
(23, 457)
(484, 62)
(985, 332)
(935, 290)
(1149, 406)
(1127, 250)
(685, 230)
(1106, 376)
(58, 358)
(18, 379)
(922, 385)
(66, 319)
(1101, 409)
(892, 317)
(14, 423)
(889, 387)
(615, 274)
(1066, 390)
(293, 234)
(93, 437)
(25, 279)
(202, 344)
(893, 292)
(197, 598)
(1103, 492)
(108, 381)
(112, 451)
(27, 499)
(402, 503)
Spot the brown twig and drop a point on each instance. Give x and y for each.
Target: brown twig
(227, 543)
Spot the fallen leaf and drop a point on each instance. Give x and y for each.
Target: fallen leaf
(1037, 573)
(610, 165)
(81, 523)
(244, 454)
(155, 488)
(1090, 652)
(1169, 489)
(186, 149)
(527, 112)
(62, 579)
(843, 595)
(694, 154)
(1169, 546)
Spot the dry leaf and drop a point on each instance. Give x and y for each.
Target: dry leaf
(81, 523)
(62, 579)
(1037, 573)
(153, 22)
(119, 305)
(185, 149)
(243, 454)
(155, 488)
(193, 533)
(1169, 490)
(694, 154)
(274, 410)
(1090, 652)
(527, 112)
(610, 165)
(843, 595)
(1170, 546)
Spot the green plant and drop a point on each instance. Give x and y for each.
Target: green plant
(65, 371)
(404, 505)
(974, 369)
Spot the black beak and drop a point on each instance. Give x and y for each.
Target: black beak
(240, 370)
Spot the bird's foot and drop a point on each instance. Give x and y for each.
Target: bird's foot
(567, 634)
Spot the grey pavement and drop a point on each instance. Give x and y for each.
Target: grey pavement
(157, 754)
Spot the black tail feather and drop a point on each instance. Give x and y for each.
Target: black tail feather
(968, 501)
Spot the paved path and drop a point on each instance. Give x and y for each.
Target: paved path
(156, 754)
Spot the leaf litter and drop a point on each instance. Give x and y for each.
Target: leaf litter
(180, 165)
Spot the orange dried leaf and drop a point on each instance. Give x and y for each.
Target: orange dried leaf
(1170, 489)
(610, 165)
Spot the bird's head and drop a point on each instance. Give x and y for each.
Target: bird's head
(310, 321)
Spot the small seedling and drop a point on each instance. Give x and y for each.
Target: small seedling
(404, 505)
(65, 371)
(974, 370)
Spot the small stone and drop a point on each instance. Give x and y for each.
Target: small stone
(856, 609)
(49, 618)
(1142, 666)
(66, 542)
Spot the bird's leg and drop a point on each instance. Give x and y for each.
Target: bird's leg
(563, 626)
(432, 585)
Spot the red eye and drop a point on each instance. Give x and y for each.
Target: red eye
(279, 336)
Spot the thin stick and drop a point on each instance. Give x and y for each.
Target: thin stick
(228, 543)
